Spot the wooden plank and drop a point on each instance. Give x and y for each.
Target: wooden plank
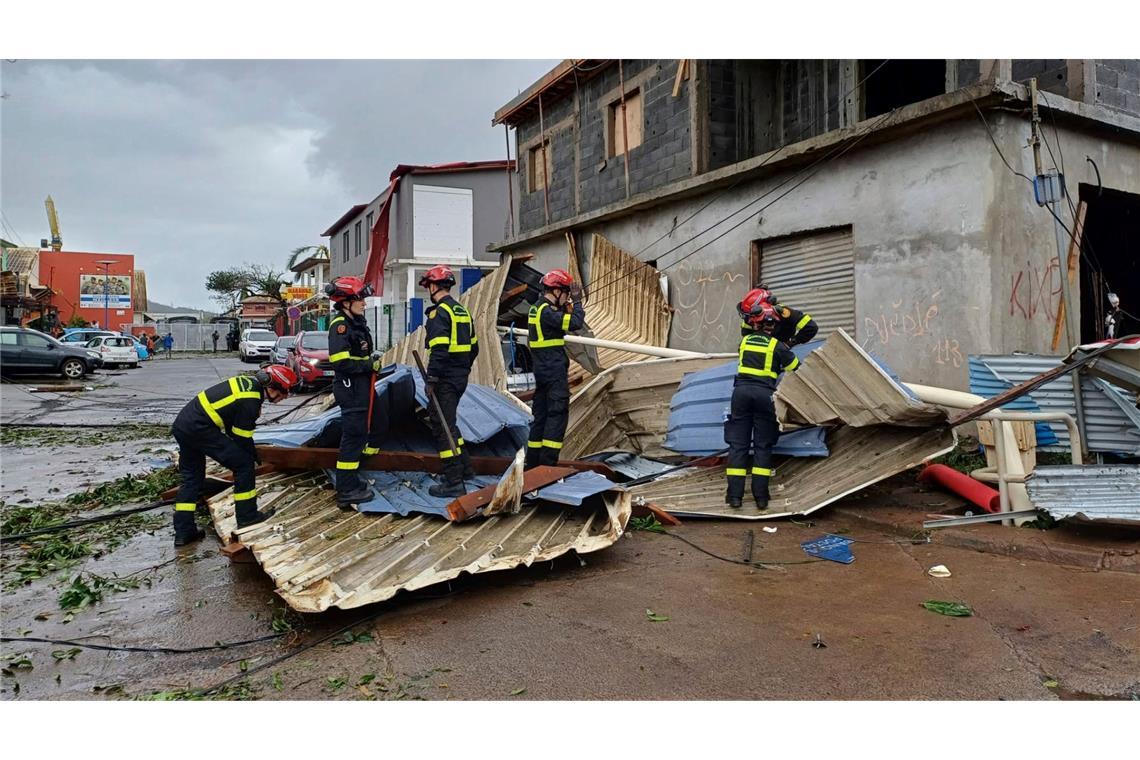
(681, 66)
(467, 506)
(312, 458)
(507, 295)
(1073, 260)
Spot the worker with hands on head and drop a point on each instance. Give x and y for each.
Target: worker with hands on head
(452, 349)
(354, 387)
(752, 424)
(219, 424)
(794, 328)
(557, 312)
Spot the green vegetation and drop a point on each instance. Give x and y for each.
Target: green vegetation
(83, 593)
(950, 609)
(38, 437)
(649, 523)
(966, 456)
(241, 691)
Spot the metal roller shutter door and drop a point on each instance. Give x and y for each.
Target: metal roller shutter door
(815, 273)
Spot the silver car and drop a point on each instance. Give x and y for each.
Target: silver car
(281, 349)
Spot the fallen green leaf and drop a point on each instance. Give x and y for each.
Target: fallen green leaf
(518, 692)
(367, 678)
(1050, 684)
(649, 523)
(66, 654)
(654, 617)
(243, 666)
(951, 609)
(336, 683)
(277, 683)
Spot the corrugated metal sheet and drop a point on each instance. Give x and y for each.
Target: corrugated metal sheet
(630, 465)
(859, 457)
(403, 493)
(627, 407)
(23, 261)
(1112, 422)
(1096, 492)
(814, 273)
(841, 383)
(319, 556)
(697, 410)
(984, 382)
(574, 490)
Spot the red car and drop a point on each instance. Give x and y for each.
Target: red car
(309, 358)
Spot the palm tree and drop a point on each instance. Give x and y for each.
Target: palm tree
(302, 253)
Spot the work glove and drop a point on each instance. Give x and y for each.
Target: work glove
(376, 357)
(575, 292)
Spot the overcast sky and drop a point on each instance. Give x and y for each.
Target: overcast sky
(197, 165)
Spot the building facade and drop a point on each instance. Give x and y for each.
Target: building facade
(875, 195)
(83, 287)
(448, 214)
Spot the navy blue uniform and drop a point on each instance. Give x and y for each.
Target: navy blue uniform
(452, 348)
(350, 352)
(546, 330)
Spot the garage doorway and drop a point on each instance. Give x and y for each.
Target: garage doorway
(1110, 259)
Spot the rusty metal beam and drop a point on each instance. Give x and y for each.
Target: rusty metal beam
(469, 505)
(308, 458)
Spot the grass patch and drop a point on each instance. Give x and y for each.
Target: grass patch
(966, 456)
(16, 435)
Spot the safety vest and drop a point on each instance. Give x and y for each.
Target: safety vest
(756, 356)
(240, 387)
(536, 338)
(463, 335)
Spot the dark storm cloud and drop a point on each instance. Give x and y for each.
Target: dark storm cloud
(196, 165)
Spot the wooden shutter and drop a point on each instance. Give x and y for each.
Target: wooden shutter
(815, 273)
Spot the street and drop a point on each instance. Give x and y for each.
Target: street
(650, 618)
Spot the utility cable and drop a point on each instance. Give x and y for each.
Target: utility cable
(722, 558)
(158, 650)
(107, 517)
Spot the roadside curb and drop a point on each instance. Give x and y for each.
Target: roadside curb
(1021, 543)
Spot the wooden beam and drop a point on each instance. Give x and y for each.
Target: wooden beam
(681, 66)
(468, 505)
(624, 128)
(1072, 264)
(312, 458)
(517, 290)
(545, 176)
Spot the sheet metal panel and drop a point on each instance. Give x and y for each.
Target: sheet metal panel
(574, 490)
(984, 382)
(630, 465)
(814, 273)
(1095, 492)
(319, 556)
(1112, 422)
(403, 493)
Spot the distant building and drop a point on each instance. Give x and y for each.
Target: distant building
(22, 296)
(446, 214)
(308, 292)
(261, 311)
(82, 287)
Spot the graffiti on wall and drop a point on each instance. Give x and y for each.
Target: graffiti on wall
(913, 322)
(706, 300)
(1034, 289)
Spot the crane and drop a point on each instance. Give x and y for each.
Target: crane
(53, 222)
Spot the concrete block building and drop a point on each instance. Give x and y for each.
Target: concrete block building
(882, 196)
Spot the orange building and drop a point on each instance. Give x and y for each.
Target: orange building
(78, 282)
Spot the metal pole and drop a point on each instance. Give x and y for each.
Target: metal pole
(106, 298)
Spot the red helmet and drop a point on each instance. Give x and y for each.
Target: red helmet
(753, 303)
(764, 314)
(348, 289)
(441, 275)
(282, 378)
(557, 278)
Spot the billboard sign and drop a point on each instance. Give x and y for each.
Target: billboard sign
(118, 295)
(297, 293)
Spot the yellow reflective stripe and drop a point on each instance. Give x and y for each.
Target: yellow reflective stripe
(803, 321)
(762, 471)
(241, 432)
(535, 318)
(735, 472)
(792, 365)
(370, 450)
(336, 319)
(768, 350)
(185, 506)
(459, 442)
(347, 465)
(463, 318)
(338, 356)
(446, 454)
(534, 444)
(566, 321)
(209, 410)
(551, 444)
(442, 340)
(245, 495)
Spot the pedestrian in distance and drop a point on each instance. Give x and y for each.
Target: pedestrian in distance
(168, 344)
(362, 422)
(452, 349)
(557, 312)
(218, 423)
(214, 337)
(752, 425)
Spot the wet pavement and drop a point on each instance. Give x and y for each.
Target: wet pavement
(579, 629)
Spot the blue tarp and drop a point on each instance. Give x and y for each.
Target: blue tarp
(698, 409)
(488, 421)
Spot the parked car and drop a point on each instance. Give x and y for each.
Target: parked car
(116, 350)
(140, 349)
(30, 352)
(309, 358)
(281, 349)
(80, 335)
(256, 344)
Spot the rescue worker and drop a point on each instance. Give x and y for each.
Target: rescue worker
(752, 420)
(794, 328)
(551, 317)
(452, 348)
(354, 387)
(219, 424)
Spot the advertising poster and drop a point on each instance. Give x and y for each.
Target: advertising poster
(91, 291)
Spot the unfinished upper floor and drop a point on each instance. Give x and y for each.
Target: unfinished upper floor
(592, 134)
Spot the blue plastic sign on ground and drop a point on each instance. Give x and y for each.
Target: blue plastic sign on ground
(834, 548)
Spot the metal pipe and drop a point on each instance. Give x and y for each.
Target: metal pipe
(633, 348)
(945, 396)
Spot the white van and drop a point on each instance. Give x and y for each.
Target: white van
(256, 344)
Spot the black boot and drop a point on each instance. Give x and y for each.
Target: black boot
(248, 515)
(347, 499)
(733, 501)
(186, 531)
(447, 489)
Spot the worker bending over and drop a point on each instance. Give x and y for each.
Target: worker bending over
(452, 348)
(752, 422)
(354, 387)
(551, 317)
(219, 424)
(794, 328)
